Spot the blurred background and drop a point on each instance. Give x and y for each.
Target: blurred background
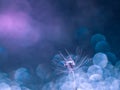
(33, 31)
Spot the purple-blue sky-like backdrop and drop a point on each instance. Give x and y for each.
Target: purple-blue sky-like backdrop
(33, 31)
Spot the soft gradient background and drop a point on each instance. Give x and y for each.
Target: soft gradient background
(33, 31)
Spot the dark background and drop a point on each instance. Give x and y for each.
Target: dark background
(79, 21)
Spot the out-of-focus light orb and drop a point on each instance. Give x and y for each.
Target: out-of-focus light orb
(117, 65)
(4, 78)
(102, 46)
(115, 85)
(94, 69)
(111, 57)
(3, 75)
(81, 78)
(117, 69)
(109, 66)
(22, 75)
(97, 38)
(4, 86)
(100, 59)
(42, 72)
(107, 73)
(95, 77)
